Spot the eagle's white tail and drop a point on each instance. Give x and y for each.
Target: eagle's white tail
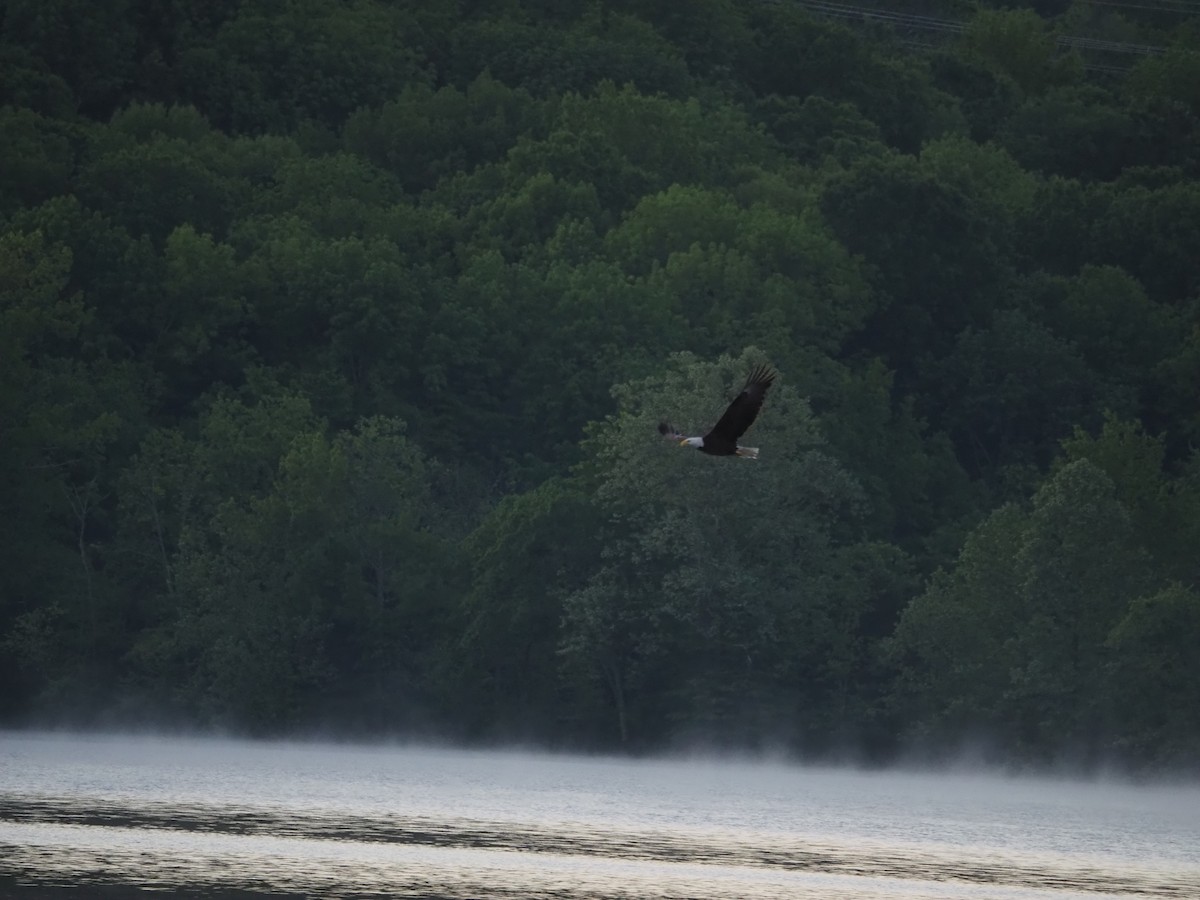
(747, 452)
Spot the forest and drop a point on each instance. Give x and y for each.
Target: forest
(334, 335)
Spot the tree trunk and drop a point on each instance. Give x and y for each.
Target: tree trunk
(613, 676)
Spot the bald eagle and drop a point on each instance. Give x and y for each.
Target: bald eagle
(722, 440)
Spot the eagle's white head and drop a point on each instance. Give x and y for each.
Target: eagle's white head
(692, 442)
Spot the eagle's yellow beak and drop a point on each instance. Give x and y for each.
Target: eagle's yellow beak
(683, 443)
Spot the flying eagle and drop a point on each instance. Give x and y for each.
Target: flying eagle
(723, 439)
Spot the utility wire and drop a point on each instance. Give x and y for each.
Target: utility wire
(1180, 7)
(913, 22)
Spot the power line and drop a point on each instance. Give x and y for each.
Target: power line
(903, 21)
(1087, 43)
(1179, 7)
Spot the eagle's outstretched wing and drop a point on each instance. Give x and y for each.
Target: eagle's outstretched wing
(744, 409)
(668, 431)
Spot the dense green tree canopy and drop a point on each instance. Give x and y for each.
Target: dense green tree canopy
(334, 335)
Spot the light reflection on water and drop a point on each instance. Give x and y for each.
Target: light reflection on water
(210, 818)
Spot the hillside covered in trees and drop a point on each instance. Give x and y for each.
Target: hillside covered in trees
(334, 334)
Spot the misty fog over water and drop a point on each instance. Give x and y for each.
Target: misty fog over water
(223, 818)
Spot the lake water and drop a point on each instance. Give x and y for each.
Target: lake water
(210, 818)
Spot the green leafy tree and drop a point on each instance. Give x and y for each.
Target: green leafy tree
(424, 135)
(1007, 394)
(1018, 44)
(298, 576)
(527, 553)
(936, 253)
(1059, 235)
(1172, 77)
(1172, 400)
(200, 323)
(919, 493)
(796, 54)
(1081, 568)
(600, 45)
(1161, 506)
(66, 414)
(338, 195)
(985, 95)
(1075, 131)
(35, 316)
(817, 128)
(598, 138)
(36, 157)
(723, 598)
(92, 48)
(713, 35)
(272, 66)
(123, 275)
(346, 316)
(1156, 682)
(254, 585)
(1148, 231)
(1011, 642)
(30, 84)
(181, 500)
(152, 188)
(672, 222)
(1118, 328)
(401, 579)
(954, 644)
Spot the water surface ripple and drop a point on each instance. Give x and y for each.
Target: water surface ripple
(215, 819)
